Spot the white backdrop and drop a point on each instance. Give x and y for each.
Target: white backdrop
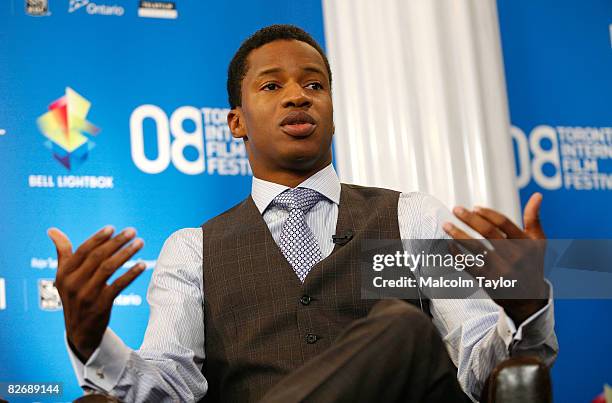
(420, 99)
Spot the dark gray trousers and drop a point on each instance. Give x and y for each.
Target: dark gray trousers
(394, 354)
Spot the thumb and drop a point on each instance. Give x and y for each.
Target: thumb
(62, 244)
(531, 217)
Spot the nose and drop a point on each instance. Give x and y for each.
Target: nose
(295, 96)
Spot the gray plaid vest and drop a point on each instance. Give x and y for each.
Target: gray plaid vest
(260, 321)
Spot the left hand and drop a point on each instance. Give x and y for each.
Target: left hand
(520, 260)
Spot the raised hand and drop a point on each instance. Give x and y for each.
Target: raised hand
(81, 281)
(520, 256)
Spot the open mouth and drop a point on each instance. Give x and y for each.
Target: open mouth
(298, 124)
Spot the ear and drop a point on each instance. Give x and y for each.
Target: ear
(235, 121)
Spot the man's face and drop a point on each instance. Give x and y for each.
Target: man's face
(286, 115)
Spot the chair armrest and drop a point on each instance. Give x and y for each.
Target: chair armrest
(518, 380)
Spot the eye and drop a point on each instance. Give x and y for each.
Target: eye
(270, 87)
(315, 86)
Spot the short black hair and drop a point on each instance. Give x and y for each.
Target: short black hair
(238, 66)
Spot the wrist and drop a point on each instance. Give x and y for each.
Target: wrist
(523, 310)
(520, 309)
(82, 354)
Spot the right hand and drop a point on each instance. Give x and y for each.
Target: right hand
(81, 281)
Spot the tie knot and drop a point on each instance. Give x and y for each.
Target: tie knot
(299, 198)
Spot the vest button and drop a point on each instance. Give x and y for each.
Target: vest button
(311, 338)
(305, 300)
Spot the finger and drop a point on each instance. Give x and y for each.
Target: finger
(454, 231)
(90, 244)
(105, 250)
(503, 223)
(113, 263)
(463, 240)
(531, 217)
(454, 249)
(123, 281)
(510, 249)
(493, 269)
(63, 246)
(478, 223)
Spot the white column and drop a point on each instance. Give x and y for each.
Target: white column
(420, 99)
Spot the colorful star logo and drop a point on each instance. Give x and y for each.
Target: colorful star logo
(64, 126)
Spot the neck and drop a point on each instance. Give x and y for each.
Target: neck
(290, 178)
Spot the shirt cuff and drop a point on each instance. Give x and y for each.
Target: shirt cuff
(105, 366)
(533, 331)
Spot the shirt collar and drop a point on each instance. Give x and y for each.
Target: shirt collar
(324, 181)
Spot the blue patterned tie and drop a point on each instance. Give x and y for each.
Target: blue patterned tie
(297, 242)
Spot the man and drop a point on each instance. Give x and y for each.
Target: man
(260, 304)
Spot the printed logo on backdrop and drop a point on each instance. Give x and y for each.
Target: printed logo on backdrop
(94, 8)
(157, 9)
(194, 140)
(48, 296)
(69, 139)
(44, 263)
(37, 8)
(65, 127)
(2, 295)
(130, 299)
(565, 157)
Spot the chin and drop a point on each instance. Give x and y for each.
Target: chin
(301, 160)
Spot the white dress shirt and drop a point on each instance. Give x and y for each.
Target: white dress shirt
(168, 366)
